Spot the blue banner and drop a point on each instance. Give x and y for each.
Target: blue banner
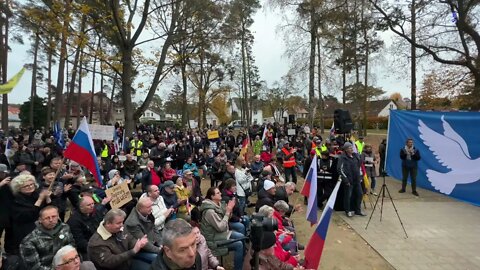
(449, 145)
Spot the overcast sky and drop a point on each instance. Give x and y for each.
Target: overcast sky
(268, 51)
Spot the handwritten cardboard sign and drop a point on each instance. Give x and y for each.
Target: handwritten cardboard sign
(120, 195)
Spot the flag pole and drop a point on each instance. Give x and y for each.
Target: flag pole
(56, 175)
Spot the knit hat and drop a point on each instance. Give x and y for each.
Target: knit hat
(268, 184)
(269, 240)
(112, 173)
(168, 183)
(347, 145)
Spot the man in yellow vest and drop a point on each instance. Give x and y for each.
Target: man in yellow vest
(319, 148)
(104, 153)
(360, 144)
(289, 163)
(136, 147)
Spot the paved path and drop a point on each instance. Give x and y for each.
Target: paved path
(443, 233)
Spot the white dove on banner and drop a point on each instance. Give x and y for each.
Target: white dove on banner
(452, 152)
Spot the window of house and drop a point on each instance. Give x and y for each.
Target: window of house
(391, 106)
(255, 112)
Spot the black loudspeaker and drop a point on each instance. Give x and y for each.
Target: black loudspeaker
(342, 121)
(291, 119)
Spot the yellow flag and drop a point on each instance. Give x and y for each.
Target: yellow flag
(8, 87)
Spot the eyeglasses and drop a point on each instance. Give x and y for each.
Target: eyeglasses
(29, 185)
(71, 260)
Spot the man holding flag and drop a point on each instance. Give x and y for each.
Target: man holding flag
(82, 151)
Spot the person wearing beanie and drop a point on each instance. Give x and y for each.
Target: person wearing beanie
(266, 196)
(267, 258)
(348, 168)
(115, 178)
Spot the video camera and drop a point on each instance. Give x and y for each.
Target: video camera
(258, 226)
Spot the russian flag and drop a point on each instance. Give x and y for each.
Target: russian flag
(82, 151)
(314, 249)
(310, 191)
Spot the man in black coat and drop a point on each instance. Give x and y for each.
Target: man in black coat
(84, 222)
(266, 196)
(348, 168)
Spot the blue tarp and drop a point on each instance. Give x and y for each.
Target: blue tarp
(449, 145)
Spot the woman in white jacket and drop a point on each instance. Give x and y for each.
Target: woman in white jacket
(244, 182)
(159, 209)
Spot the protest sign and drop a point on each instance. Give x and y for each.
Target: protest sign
(120, 195)
(212, 134)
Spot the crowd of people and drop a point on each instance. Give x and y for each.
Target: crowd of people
(54, 215)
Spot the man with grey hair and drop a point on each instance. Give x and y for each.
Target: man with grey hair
(179, 248)
(285, 191)
(67, 258)
(141, 222)
(110, 247)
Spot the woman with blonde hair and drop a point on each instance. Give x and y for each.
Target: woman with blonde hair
(27, 203)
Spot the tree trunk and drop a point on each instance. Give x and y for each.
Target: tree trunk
(413, 68)
(49, 88)
(33, 90)
(100, 108)
(79, 101)
(90, 118)
(311, 67)
(320, 95)
(110, 105)
(367, 53)
(71, 92)
(127, 74)
(244, 71)
(61, 63)
(355, 47)
(4, 25)
(185, 118)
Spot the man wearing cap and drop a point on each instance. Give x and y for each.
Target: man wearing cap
(167, 191)
(266, 196)
(192, 182)
(289, 163)
(136, 146)
(360, 144)
(348, 168)
(267, 258)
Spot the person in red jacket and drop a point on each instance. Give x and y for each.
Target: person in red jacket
(168, 172)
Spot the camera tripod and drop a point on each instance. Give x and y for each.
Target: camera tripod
(382, 194)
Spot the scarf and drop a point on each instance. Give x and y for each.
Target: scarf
(410, 152)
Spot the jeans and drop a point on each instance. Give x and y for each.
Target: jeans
(143, 260)
(290, 171)
(373, 182)
(237, 226)
(238, 250)
(413, 176)
(241, 226)
(352, 198)
(242, 202)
